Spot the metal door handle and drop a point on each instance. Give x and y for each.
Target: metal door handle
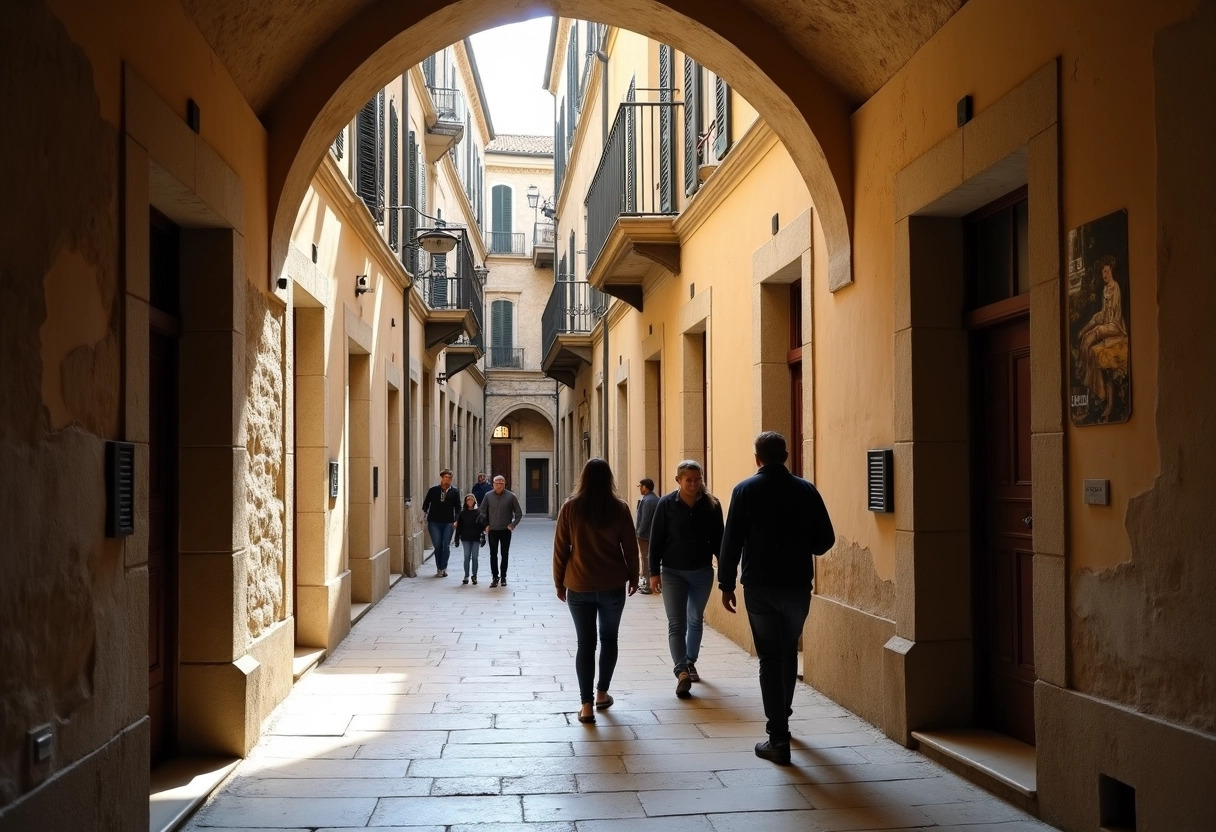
(1029, 521)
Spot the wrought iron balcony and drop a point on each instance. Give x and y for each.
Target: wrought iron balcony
(446, 128)
(633, 199)
(506, 358)
(452, 291)
(573, 310)
(505, 242)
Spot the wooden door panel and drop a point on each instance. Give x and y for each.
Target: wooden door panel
(500, 463)
(1005, 562)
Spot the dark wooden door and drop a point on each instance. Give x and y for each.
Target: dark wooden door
(1003, 599)
(536, 489)
(162, 489)
(500, 463)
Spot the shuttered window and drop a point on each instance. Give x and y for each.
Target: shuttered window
(562, 273)
(369, 158)
(500, 217)
(667, 130)
(692, 124)
(631, 154)
(394, 172)
(559, 148)
(721, 118)
(502, 328)
(428, 70)
(411, 195)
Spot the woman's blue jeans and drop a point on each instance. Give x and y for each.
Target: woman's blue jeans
(685, 594)
(441, 539)
(585, 608)
(471, 549)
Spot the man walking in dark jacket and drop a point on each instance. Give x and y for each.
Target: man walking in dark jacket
(501, 512)
(440, 507)
(645, 518)
(777, 524)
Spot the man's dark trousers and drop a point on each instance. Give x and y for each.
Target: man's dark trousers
(776, 615)
(495, 537)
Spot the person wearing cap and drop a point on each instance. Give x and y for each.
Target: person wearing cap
(645, 519)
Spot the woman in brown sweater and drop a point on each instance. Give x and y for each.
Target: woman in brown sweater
(595, 557)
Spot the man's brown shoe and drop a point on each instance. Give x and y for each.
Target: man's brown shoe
(683, 685)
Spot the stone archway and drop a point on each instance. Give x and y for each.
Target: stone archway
(810, 116)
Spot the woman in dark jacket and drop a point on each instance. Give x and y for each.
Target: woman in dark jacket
(468, 531)
(595, 557)
(684, 538)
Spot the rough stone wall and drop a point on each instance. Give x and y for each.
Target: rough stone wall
(846, 574)
(1143, 632)
(62, 589)
(264, 480)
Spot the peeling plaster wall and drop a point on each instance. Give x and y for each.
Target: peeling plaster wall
(264, 426)
(846, 574)
(64, 650)
(1143, 632)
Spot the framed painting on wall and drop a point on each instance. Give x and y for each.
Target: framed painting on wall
(1099, 322)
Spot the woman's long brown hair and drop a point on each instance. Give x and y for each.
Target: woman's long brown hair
(595, 499)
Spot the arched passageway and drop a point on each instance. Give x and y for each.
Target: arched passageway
(335, 78)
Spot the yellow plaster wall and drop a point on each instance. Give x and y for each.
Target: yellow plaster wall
(1106, 87)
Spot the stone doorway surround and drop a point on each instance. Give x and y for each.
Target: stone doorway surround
(928, 663)
(228, 677)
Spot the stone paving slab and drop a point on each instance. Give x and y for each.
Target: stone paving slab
(452, 708)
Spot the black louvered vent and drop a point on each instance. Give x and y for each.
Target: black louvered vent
(879, 465)
(120, 489)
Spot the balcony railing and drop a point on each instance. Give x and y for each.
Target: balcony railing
(451, 282)
(506, 357)
(574, 307)
(505, 242)
(449, 104)
(637, 174)
(544, 234)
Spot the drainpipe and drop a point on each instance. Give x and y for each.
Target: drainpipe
(407, 440)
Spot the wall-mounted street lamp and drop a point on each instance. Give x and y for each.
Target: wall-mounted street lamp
(546, 207)
(361, 287)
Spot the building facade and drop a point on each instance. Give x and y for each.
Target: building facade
(520, 401)
(168, 151)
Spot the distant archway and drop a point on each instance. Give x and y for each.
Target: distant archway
(809, 115)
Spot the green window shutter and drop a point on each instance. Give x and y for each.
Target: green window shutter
(721, 118)
(692, 124)
(369, 160)
(500, 201)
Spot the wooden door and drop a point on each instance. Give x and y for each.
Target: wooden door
(500, 463)
(1003, 598)
(162, 489)
(536, 488)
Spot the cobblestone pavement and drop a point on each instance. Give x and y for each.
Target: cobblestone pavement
(452, 707)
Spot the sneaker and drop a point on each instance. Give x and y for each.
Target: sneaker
(466, 580)
(692, 672)
(443, 573)
(474, 580)
(503, 582)
(493, 583)
(774, 752)
(683, 685)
